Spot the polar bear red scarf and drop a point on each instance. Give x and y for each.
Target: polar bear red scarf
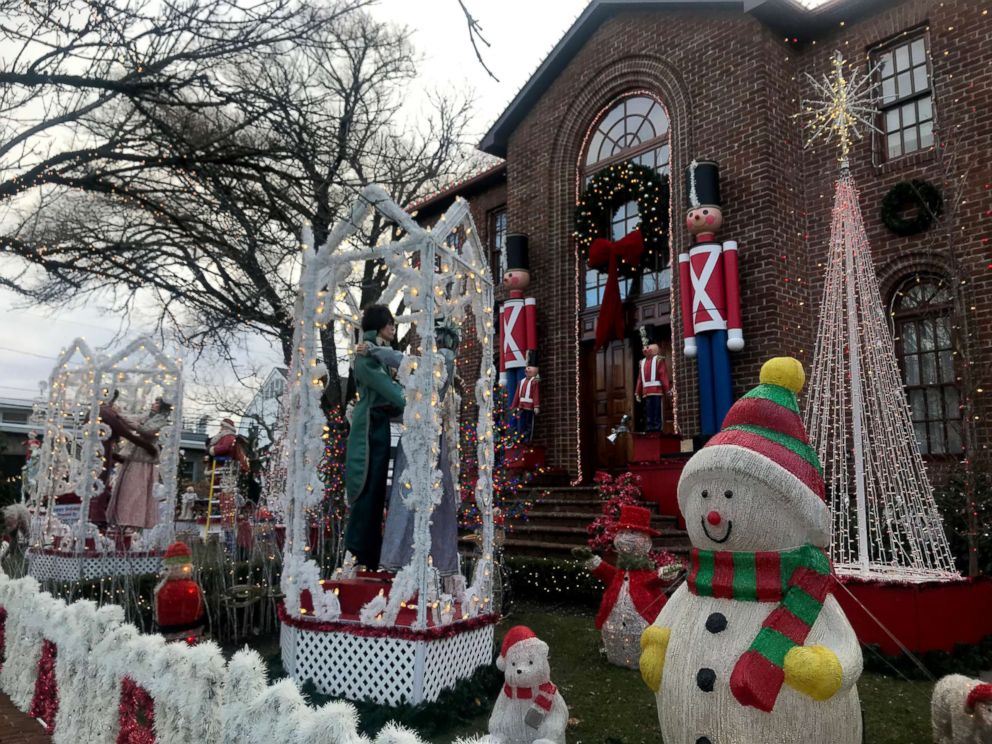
(798, 580)
(545, 694)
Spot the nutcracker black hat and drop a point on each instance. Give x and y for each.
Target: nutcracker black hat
(702, 184)
(516, 252)
(650, 334)
(533, 358)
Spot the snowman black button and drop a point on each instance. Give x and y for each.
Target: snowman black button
(705, 679)
(703, 740)
(716, 622)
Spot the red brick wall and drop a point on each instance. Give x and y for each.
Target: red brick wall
(732, 87)
(960, 41)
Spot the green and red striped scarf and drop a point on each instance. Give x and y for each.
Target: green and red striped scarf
(798, 580)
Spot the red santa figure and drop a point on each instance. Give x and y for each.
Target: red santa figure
(527, 399)
(652, 380)
(517, 317)
(635, 587)
(710, 296)
(179, 608)
(226, 445)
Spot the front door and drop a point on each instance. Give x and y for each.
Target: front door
(607, 387)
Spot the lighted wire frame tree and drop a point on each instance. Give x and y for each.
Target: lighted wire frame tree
(885, 521)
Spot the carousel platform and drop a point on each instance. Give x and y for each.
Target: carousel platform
(390, 664)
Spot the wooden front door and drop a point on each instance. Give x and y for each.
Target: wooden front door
(607, 390)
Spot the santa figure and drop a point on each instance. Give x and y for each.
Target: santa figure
(708, 285)
(635, 587)
(227, 445)
(517, 318)
(652, 380)
(753, 648)
(527, 399)
(179, 609)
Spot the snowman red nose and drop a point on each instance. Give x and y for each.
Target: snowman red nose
(714, 518)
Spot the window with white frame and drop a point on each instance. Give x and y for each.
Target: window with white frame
(922, 312)
(905, 95)
(497, 243)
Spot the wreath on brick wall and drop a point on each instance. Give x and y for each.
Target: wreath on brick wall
(613, 187)
(920, 198)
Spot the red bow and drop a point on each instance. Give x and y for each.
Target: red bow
(605, 253)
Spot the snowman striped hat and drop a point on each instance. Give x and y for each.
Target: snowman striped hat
(765, 430)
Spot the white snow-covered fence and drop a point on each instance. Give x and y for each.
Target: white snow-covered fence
(196, 696)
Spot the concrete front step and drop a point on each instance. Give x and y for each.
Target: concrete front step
(538, 516)
(556, 493)
(520, 545)
(576, 535)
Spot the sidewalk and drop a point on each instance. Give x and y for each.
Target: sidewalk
(19, 728)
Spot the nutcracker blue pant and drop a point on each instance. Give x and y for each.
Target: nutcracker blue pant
(716, 393)
(653, 412)
(525, 426)
(513, 378)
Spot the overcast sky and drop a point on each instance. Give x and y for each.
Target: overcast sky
(521, 32)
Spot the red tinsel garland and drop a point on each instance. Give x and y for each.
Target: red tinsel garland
(45, 703)
(405, 634)
(136, 714)
(3, 635)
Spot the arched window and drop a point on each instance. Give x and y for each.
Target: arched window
(635, 129)
(922, 311)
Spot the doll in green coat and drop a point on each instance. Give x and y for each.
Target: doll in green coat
(380, 398)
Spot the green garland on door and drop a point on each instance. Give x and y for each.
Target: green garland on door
(613, 187)
(920, 196)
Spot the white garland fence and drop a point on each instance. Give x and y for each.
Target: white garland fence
(72, 453)
(196, 696)
(446, 283)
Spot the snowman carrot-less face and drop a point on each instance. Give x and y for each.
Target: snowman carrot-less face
(733, 509)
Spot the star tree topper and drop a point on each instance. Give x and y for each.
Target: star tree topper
(844, 105)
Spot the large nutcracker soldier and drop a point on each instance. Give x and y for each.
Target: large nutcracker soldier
(517, 320)
(711, 309)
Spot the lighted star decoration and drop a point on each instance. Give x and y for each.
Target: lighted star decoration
(845, 104)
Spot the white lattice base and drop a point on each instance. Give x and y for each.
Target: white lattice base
(51, 564)
(386, 670)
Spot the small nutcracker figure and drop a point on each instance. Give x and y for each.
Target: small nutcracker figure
(708, 284)
(517, 318)
(179, 607)
(652, 380)
(527, 399)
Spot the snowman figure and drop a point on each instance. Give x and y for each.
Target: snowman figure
(754, 648)
(635, 587)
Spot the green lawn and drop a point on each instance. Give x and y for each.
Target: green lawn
(610, 705)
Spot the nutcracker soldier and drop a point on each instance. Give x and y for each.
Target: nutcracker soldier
(711, 310)
(527, 399)
(652, 380)
(517, 320)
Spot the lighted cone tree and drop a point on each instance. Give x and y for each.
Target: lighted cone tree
(886, 522)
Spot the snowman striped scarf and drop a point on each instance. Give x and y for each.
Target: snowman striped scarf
(798, 580)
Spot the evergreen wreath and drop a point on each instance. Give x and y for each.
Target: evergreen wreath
(919, 195)
(613, 187)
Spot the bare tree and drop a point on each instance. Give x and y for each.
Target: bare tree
(172, 151)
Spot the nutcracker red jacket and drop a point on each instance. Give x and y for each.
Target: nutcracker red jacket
(646, 591)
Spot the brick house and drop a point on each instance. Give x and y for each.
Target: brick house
(723, 81)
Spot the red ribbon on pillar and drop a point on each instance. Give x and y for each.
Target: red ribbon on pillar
(607, 254)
